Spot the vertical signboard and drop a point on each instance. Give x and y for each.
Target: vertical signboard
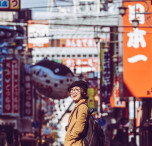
(137, 58)
(15, 82)
(7, 87)
(115, 96)
(27, 102)
(10, 98)
(38, 34)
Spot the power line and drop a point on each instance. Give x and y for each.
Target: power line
(54, 6)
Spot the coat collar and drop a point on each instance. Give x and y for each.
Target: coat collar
(77, 104)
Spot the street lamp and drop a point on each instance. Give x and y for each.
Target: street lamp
(106, 47)
(115, 58)
(135, 23)
(122, 10)
(97, 39)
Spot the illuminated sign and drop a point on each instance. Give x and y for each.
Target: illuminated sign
(9, 5)
(10, 104)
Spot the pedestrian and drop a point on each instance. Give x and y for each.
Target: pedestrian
(78, 116)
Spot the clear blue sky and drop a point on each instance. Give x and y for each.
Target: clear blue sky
(33, 3)
(42, 3)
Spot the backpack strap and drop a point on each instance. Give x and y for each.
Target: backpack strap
(78, 108)
(90, 110)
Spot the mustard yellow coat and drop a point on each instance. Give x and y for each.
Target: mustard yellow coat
(77, 124)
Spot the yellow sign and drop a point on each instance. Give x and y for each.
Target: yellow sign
(9, 5)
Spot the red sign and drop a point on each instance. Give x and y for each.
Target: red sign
(78, 63)
(7, 87)
(115, 99)
(10, 86)
(137, 58)
(79, 43)
(28, 102)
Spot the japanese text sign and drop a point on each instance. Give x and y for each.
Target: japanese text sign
(28, 102)
(7, 86)
(78, 43)
(11, 86)
(137, 53)
(9, 5)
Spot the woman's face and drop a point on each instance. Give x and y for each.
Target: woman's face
(75, 93)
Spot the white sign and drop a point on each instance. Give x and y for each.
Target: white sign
(38, 34)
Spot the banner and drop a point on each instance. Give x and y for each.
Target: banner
(10, 87)
(15, 82)
(137, 53)
(88, 64)
(7, 87)
(27, 96)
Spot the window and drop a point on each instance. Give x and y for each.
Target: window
(84, 55)
(79, 55)
(73, 55)
(55, 43)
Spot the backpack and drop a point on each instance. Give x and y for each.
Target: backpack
(94, 135)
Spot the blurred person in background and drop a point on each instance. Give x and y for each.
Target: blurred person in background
(78, 116)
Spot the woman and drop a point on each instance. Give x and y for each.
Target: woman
(78, 117)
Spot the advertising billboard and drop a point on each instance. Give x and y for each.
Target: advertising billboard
(38, 34)
(137, 51)
(81, 65)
